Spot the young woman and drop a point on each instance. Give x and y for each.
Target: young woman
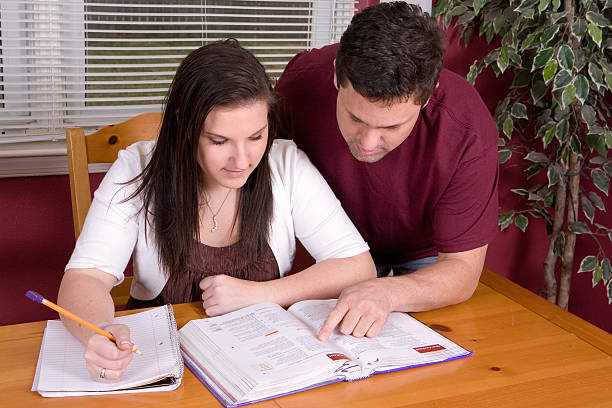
(209, 212)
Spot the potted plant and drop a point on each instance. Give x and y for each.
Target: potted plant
(556, 115)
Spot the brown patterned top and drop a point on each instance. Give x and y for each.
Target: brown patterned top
(208, 261)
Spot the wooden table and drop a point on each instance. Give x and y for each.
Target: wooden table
(527, 353)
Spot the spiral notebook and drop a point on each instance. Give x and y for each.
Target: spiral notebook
(61, 370)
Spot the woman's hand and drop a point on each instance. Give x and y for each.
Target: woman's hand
(222, 294)
(105, 360)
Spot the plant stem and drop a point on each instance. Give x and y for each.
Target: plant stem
(567, 265)
(550, 281)
(570, 238)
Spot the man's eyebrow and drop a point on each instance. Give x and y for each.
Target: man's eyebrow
(396, 125)
(225, 137)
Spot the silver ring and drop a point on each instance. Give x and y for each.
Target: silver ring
(102, 373)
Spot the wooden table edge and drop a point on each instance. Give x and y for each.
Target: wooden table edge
(582, 329)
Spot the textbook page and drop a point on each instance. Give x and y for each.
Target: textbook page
(61, 369)
(403, 341)
(260, 351)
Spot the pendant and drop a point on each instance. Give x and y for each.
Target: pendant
(216, 225)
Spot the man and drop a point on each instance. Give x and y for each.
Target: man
(410, 150)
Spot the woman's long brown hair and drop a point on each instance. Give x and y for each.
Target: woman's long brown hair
(219, 74)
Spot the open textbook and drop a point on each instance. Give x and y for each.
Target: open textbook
(264, 351)
(61, 370)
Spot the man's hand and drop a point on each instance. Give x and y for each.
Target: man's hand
(222, 294)
(362, 310)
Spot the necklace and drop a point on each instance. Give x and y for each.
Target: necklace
(214, 217)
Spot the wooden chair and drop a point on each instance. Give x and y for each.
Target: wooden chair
(103, 147)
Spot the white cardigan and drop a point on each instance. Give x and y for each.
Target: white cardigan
(304, 207)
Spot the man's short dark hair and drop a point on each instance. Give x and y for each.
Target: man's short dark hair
(390, 52)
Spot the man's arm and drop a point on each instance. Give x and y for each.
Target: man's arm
(363, 308)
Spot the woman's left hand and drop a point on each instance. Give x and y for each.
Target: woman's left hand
(222, 294)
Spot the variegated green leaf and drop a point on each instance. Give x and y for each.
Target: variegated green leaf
(601, 180)
(504, 155)
(503, 60)
(568, 96)
(588, 114)
(566, 57)
(465, 18)
(498, 23)
(579, 228)
(582, 88)
(439, 7)
(562, 79)
(536, 157)
(475, 69)
(596, 73)
(520, 191)
(579, 28)
(597, 201)
(597, 142)
(575, 144)
(608, 77)
(543, 5)
(587, 208)
(459, 10)
(549, 34)
(588, 263)
(521, 221)
(538, 90)
(562, 130)
(580, 60)
(606, 269)
(491, 57)
(597, 275)
(508, 126)
(478, 4)
(556, 4)
(505, 219)
(597, 19)
(595, 33)
(555, 173)
(542, 58)
(550, 69)
(532, 40)
(548, 136)
(519, 111)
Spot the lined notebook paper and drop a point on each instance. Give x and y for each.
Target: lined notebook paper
(61, 369)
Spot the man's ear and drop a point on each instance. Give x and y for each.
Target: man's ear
(335, 79)
(425, 104)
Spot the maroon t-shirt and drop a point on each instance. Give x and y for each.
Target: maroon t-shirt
(435, 192)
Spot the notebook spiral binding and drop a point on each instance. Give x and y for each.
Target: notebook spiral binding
(175, 342)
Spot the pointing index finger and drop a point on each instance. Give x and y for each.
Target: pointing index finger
(333, 319)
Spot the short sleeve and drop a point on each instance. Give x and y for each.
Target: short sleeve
(111, 227)
(466, 215)
(319, 221)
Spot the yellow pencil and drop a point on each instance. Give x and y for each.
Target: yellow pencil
(39, 299)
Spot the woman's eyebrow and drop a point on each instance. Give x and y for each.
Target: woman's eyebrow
(225, 137)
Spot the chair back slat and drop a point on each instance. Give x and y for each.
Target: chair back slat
(103, 146)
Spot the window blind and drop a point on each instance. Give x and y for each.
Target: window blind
(92, 63)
